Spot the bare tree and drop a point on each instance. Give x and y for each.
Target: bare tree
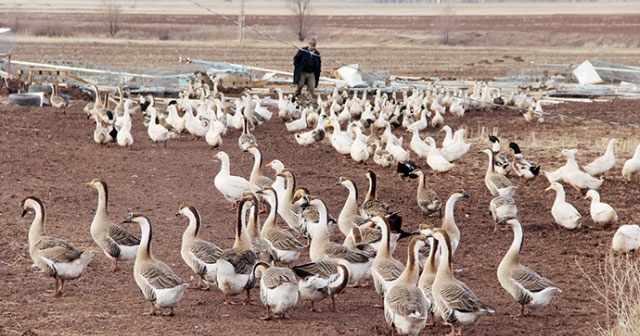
(301, 10)
(112, 11)
(447, 22)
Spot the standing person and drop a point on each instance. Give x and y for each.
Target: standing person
(307, 63)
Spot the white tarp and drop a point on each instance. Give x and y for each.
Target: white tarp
(587, 74)
(351, 75)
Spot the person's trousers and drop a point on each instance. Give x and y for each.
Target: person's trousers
(309, 79)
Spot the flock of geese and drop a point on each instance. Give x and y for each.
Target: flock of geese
(421, 291)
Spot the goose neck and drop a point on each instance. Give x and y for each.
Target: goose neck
(144, 251)
(242, 240)
(516, 245)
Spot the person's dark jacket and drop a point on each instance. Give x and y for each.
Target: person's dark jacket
(304, 59)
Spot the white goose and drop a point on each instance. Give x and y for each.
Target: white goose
(158, 133)
(299, 124)
(174, 119)
(503, 206)
(216, 129)
(454, 301)
(626, 239)
(193, 124)
(359, 150)
(200, 255)
(576, 177)
(116, 242)
(448, 222)
(524, 284)
(158, 283)
(230, 186)
(601, 213)
(603, 163)
(435, 160)
(631, 167)
(124, 137)
(405, 306)
(563, 213)
(458, 147)
(58, 258)
(417, 145)
(278, 288)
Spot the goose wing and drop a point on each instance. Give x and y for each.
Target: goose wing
(206, 251)
(121, 236)
(407, 302)
(275, 277)
(322, 268)
(242, 261)
(57, 250)
(159, 276)
(530, 280)
(460, 298)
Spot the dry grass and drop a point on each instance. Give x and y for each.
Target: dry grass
(618, 289)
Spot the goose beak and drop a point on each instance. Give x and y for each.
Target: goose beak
(24, 212)
(548, 188)
(178, 213)
(129, 218)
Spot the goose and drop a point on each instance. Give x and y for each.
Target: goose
(405, 306)
(457, 108)
(299, 124)
(578, 179)
(173, 119)
(503, 206)
(235, 265)
(158, 283)
(257, 179)
(526, 286)
(603, 163)
(448, 137)
(279, 182)
(193, 124)
(563, 213)
(95, 107)
(216, 129)
(382, 157)
(116, 242)
(261, 246)
(200, 255)
(399, 153)
(500, 161)
(278, 288)
(373, 206)
(631, 167)
(285, 108)
(458, 147)
(521, 166)
(340, 140)
(359, 150)
(420, 124)
(493, 180)
(230, 186)
(286, 199)
(59, 258)
(417, 145)
(287, 248)
(435, 160)
(428, 199)
(448, 222)
(438, 120)
(429, 270)
(57, 101)
(385, 268)
(261, 111)
(103, 133)
(246, 139)
(322, 248)
(349, 218)
(601, 213)
(124, 137)
(406, 168)
(322, 279)
(557, 175)
(158, 133)
(453, 299)
(626, 239)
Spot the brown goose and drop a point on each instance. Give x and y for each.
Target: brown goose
(60, 259)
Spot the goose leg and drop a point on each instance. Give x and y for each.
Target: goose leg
(313, 308)
(333, 301)
(268, 317)
(114, 265)
(152, 311)
(172, 313)
(248, 300)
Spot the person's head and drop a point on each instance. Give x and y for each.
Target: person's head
(312, 43)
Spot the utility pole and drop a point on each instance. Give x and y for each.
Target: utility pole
(241, 22)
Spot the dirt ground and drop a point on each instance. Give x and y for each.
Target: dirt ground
(52, 156)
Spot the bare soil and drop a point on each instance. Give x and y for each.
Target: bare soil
(52, 156)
